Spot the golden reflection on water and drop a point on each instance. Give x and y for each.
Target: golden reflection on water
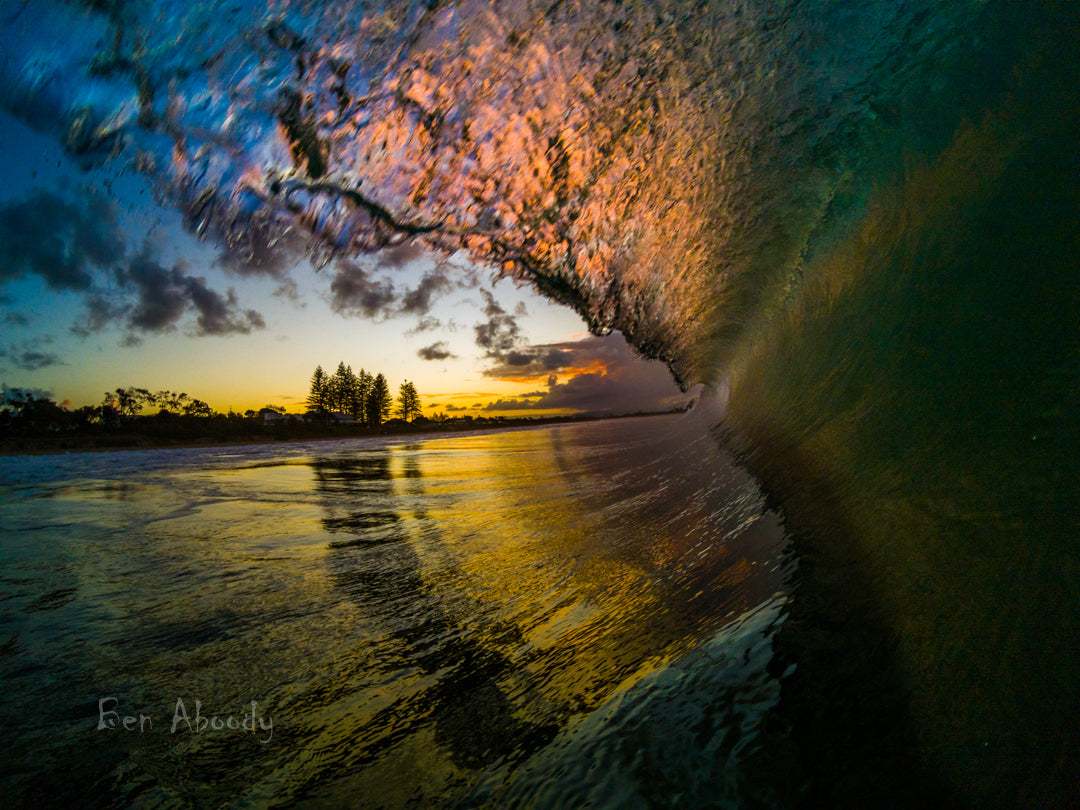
(412, 614)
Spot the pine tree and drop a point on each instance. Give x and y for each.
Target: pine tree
(364, 381)
(408, 401)
(354, 398)
(379, 401)
(340, 387)
(318, 396)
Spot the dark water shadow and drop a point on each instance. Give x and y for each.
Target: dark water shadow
(437, 631)
(842, 729)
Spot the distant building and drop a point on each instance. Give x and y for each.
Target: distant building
(270, 415)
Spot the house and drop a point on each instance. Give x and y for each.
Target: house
(270, 415)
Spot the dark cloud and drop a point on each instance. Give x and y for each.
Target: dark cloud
(289, 289)
(500, 335)
(455, 408)
(32, 361)
(540, 362)
(61, 240)
(161, 295)
(100, 312)
(165, 295)
(602, 375)
(29, 358)
(427, 324)
(436, 351)
(75, 243)
(419, 300)
(394, 258)
(509, 405)
(217, 314)
(353, 292)
(17, 319)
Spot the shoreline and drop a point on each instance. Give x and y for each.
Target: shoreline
(63, 444)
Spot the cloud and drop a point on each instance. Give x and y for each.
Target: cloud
(165, 295)
(455, 408)
(538, 363)
(353, 292)
(100, 312)
(75, 243)
(500, 335)
(217, 314)
(17, 319)
(162, 299)
(394, 258)
(602, 375)
(28, 358)
(426, 324)
(436, 351)
(509, 405)
(419, 300)
(61, 240)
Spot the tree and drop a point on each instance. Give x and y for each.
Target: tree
(29, 411)
(353, 404)
(408, 400)
(364, 381)
(197, 408)
(379, 402)
(170, 402)
(318, 397)
(128, 401)
(343, 388)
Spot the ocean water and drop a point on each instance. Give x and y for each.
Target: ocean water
(515, 618)
(857, 224)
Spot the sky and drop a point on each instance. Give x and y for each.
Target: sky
(103, 287)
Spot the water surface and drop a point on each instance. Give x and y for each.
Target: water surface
(548, 616)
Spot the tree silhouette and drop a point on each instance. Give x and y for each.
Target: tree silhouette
(127, 401)
(197, 408)
(354, 399)
(364, 381)
(340, 387)
(319, 395)
(408, 400)
(379, 401)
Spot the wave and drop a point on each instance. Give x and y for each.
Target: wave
(858, 221)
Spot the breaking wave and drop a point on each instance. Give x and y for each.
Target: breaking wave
(861, 220)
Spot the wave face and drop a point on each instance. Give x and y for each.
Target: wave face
(859, 219)
(663, 167)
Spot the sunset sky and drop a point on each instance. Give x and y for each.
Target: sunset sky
(101, 287)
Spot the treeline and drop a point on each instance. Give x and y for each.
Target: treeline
(360, 396)
(137, 417)
(29, 411)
